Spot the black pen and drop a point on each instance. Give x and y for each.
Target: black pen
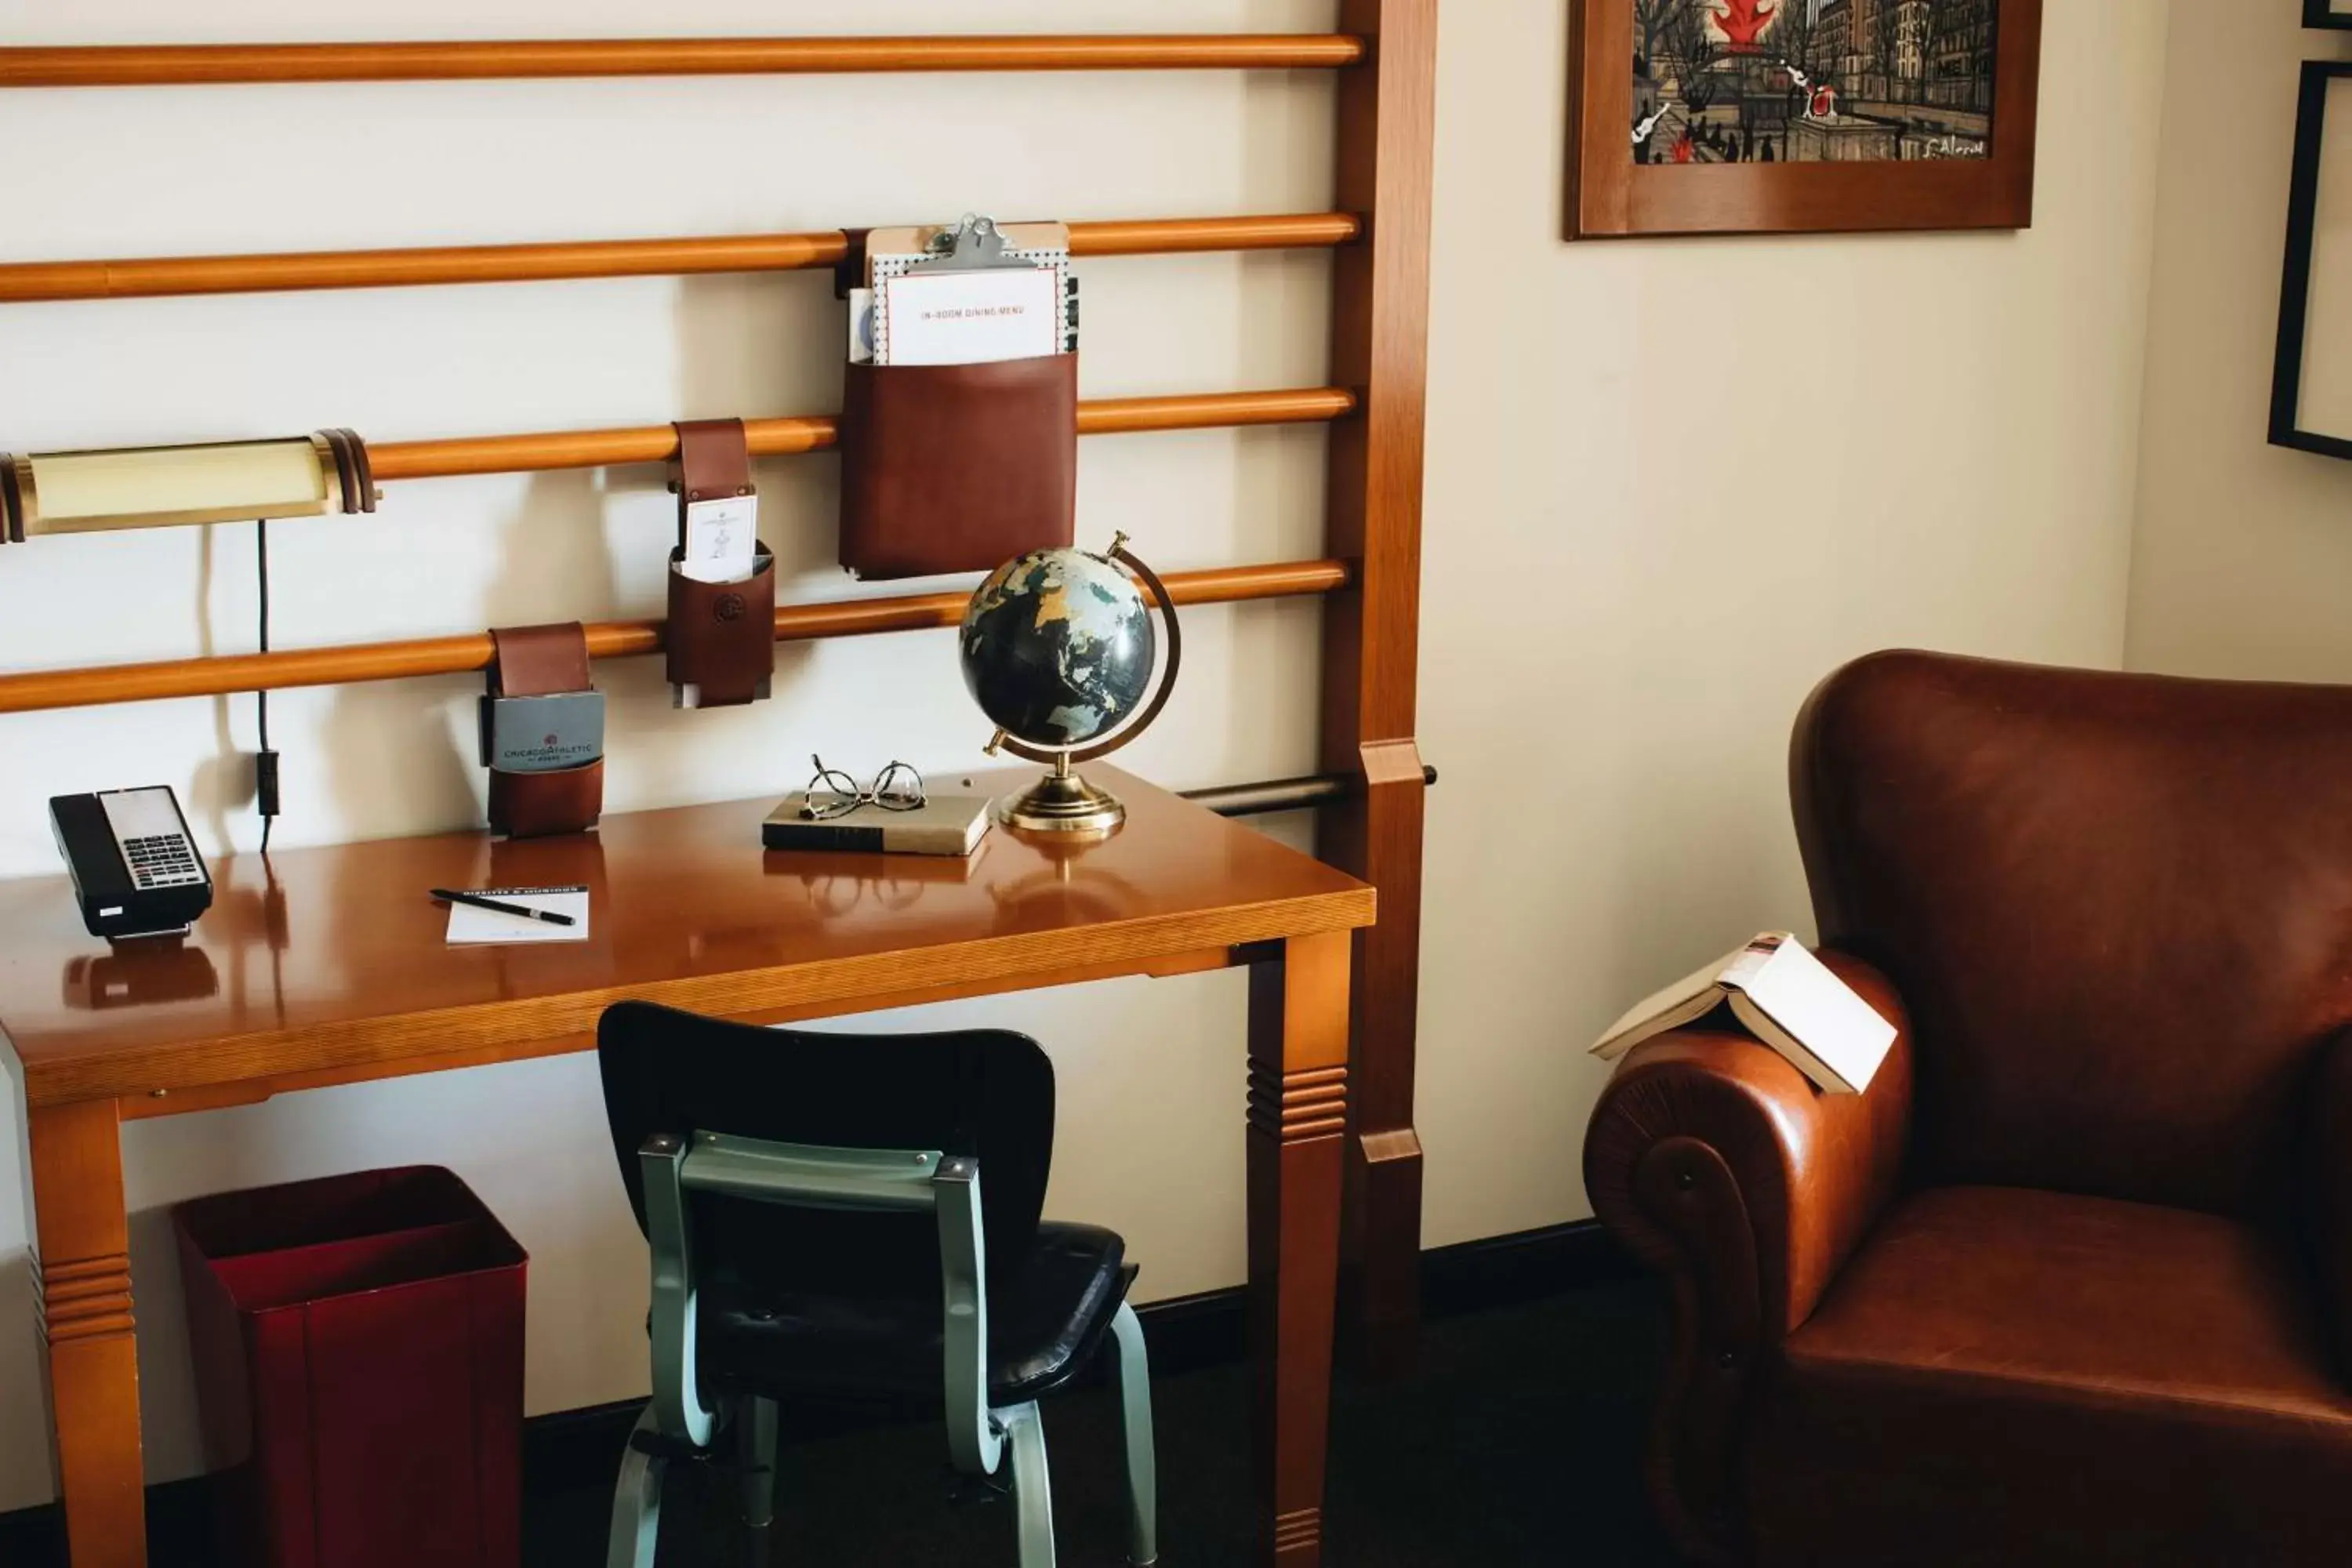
(501, 907)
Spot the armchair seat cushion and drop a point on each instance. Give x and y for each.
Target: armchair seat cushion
(1044, 1322)
(2112, 1383)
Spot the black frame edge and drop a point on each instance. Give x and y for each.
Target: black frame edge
(2302, 234)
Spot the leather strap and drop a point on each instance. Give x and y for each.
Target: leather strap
(12, 503)
(540, 661)
(346, 480)
(714, 463)
(351, 454)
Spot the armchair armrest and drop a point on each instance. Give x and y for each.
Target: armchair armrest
(1718, 1163)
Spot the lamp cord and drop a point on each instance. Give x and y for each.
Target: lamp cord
(265, 765)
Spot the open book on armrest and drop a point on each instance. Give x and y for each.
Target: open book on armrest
(1788, 999)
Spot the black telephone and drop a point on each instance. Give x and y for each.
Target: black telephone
(135, 866)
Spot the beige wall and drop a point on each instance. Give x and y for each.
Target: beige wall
(1670, 485)
(2243, 556)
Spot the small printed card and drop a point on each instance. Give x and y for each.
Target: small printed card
(722, 539)
(472, 927)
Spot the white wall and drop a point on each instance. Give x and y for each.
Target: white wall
(1722, 467)
(2244, 553)
(1671, 484)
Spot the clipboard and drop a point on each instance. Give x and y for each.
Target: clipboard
(976, 243)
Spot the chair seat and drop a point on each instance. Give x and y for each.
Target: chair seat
(2056, 1378)
(1044, 1326)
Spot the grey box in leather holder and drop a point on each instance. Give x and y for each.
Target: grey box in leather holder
(957, 468)
(721, 644)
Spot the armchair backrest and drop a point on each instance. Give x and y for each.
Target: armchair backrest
(986, 1094)
(2118, 909)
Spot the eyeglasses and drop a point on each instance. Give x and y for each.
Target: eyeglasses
(832, 793)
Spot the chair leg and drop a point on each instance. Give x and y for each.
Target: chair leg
(637, 1505)
(1132, 1370)
(1033, 1489)
(756, 1450)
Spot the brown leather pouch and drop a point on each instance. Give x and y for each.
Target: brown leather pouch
(721, 644)
(721, 639)
(543, 661)
(532, 805)
(957, 468)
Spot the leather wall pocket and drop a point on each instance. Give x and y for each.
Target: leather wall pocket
(957, 468)
(540, 713)
(533, 805)
(721, 641)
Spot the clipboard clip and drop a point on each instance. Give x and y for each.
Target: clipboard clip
(974, 245)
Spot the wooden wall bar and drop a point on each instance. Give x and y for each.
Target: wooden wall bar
(196, 64)
(275, 671)
(814, 432)
(120, 279)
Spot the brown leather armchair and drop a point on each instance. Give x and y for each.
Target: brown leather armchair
(2072, 1283)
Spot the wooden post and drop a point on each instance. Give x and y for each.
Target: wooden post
(1372, 642)
(82, 1291)
(1297, 1118)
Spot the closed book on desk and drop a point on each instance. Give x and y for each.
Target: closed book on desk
(943, 824)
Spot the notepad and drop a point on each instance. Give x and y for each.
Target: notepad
(471, 927)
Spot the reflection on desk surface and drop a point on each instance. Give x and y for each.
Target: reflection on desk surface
(141, 973)
(689, 908)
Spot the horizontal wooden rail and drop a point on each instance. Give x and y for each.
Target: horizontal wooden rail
(140, 278)
(812, 432)
(1285, 795)
(275, 671)
(175, 65)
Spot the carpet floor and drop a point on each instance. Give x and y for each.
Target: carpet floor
(1517, 1442)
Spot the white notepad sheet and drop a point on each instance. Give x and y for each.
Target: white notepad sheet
(470, 927)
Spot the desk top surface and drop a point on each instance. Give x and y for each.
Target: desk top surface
(332, 965)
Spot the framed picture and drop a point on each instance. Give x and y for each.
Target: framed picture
(2327, 13)
(1802, 116)
(2311, 390)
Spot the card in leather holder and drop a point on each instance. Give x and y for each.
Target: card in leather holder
(720, 642)
(957, 468)
(538, 662)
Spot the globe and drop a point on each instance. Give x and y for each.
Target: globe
(1059, 646)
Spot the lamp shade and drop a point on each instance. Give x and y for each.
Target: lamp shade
(153, 486)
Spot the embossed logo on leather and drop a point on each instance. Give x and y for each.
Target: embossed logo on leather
(728, 607)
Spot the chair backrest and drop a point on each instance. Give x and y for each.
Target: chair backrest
(985, 1093)
(2118, 907)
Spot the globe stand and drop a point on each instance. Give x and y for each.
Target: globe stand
(1062, 804)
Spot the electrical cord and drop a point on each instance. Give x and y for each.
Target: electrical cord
(265, 764)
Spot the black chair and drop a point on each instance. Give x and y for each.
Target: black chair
(819, 1232)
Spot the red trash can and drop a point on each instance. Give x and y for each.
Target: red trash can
(358, 1347)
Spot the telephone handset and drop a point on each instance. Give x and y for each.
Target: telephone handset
(135, 867)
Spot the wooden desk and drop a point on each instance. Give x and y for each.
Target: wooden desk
(333, 970)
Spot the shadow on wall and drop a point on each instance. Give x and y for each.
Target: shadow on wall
(24, 1405)
(403, 751)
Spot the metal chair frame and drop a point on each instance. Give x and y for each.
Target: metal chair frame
(981, 1440)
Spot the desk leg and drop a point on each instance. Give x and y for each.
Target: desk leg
(1297, 1127)
(82, 1285)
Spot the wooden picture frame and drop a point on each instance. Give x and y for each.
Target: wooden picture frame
(2319, 79)
(1613, 195)
(2336, 14)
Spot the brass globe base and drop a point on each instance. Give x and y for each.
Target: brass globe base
(1065, 804)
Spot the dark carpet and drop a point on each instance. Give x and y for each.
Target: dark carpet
(1518, 1441)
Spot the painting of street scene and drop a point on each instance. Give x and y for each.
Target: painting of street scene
(1811, 81)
